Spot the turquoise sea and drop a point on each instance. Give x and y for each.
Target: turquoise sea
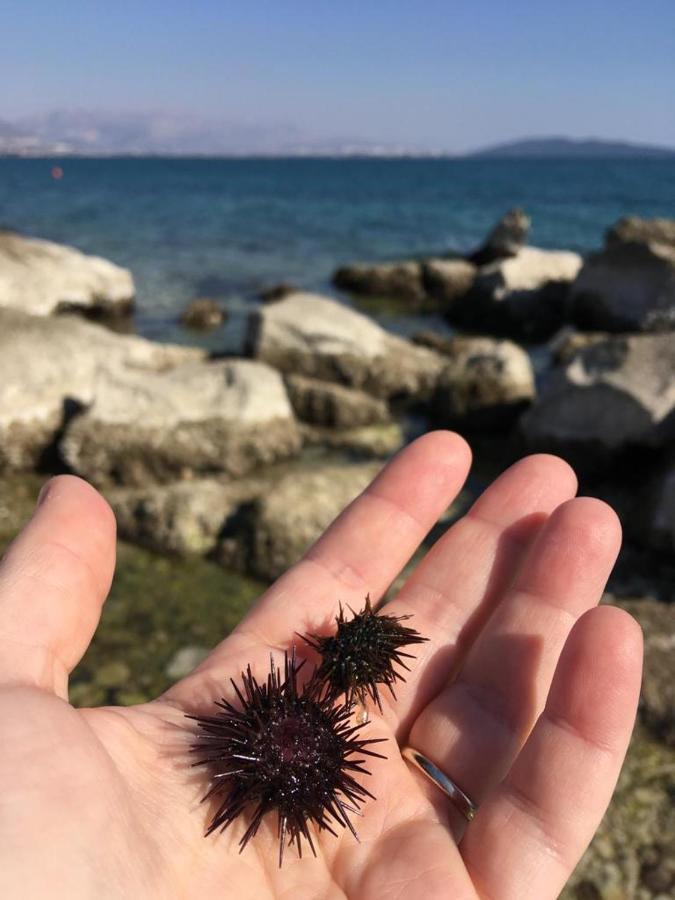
(226, 228)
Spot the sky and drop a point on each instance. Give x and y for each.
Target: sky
(447, 75)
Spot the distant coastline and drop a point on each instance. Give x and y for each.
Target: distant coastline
(19, 145)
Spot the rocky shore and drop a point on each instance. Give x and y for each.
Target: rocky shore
(223, 470)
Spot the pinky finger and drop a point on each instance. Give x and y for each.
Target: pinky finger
(530, 833)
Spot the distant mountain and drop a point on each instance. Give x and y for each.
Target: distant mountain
(571, 148)
(91, 133)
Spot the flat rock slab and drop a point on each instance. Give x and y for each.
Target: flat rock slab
(202, 417)
(41, 277)
(315, 336)
(48, 368)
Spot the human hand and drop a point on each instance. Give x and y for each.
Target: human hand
(525, 695)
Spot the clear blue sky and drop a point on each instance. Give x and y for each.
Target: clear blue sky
(447, 74)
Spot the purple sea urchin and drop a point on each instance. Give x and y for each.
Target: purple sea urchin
(286, 749)
(363, 652)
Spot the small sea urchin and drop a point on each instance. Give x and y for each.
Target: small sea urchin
(287, 749)
(363, 652)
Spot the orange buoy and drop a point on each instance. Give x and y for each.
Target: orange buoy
(57, 172)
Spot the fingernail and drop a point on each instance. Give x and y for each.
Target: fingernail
(44, 493)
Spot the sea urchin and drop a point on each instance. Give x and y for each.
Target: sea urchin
(287, 749)
(363, 652)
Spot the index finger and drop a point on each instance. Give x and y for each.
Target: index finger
(364, 549)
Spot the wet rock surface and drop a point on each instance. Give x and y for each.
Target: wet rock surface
(203, 314)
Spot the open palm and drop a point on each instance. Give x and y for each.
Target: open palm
(525, 695)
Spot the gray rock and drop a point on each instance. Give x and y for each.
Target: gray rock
(401, 279)
(447, 280)
(634, 230)
(277, 292)
(506, 239)
(320, 338)
(523, 296)
(376, 441)
(228, 417)
(612, 395)
(626, 287)
(48, 368)
(657, 699)
(295, 512)
(486, 383)
(630, 856)
(40, 277)
(652, 511)
(203, 314)
(185, 518)
(568, 343)
(334, 405)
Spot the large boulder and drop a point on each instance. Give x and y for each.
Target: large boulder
(629, 286)
(320, 338)
(201, 417)
(634, 230)
(294, 513)
(486, 384)
(48, 370)
(41, 278)
(613, 395)
(523, 296)
(507, 238)
(401, 279)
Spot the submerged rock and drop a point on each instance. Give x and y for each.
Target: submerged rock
(48, 370)
(506, 239)
(627, 287)
(228, 417)
(203, 314)
(523, 296)
(320, 338)
(41, 277)
(613, 395)
(392, 279)
(486, 383)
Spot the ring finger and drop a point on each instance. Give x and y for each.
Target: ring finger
(475, 727)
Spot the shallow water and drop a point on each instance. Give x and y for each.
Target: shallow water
(228, 228)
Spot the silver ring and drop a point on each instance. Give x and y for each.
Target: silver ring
(461, 801)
